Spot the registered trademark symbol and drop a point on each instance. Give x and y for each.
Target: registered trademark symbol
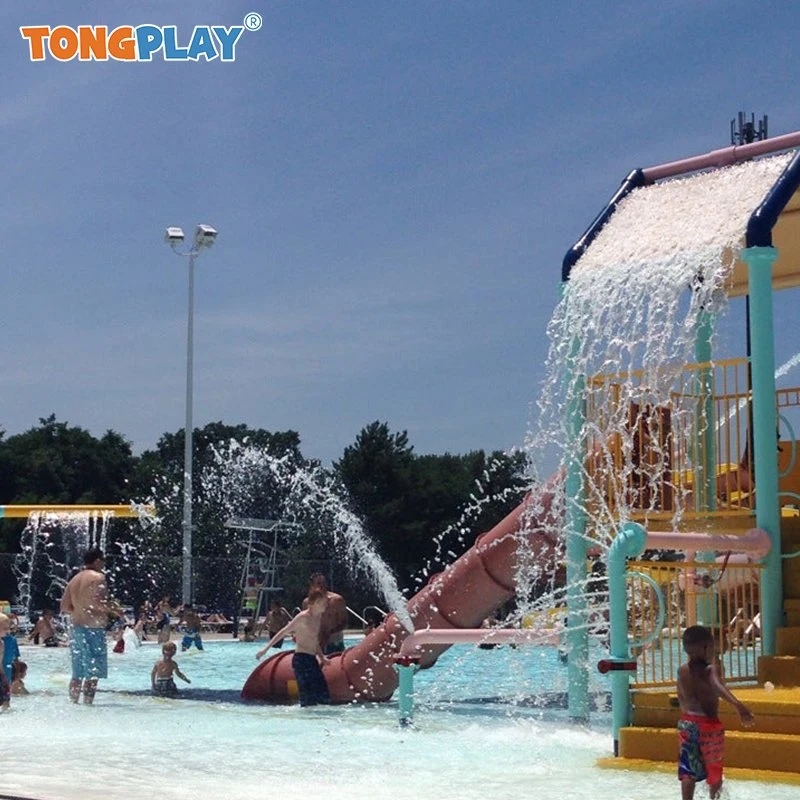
(253, 21)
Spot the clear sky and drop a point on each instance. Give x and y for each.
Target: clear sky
(394, 183)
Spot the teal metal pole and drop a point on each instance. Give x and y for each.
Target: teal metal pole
(405, 669)
(705, 482)
(705, 489)
(759, 262)
(577, 633)
(630, 541)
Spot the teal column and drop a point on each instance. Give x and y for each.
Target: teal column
(630, 542)
(706, 459)
(759, 262)
(405, 668)
(577, 633)
(705, 483)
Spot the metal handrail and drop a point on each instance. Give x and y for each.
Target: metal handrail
(357, 616)
(659, 624)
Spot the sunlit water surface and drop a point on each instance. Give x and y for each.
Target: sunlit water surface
(470, 740)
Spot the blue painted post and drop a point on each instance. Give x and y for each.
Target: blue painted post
(705, 481)
(759, 262)
(577, 634)
(630, 542)
(406, 666)
(705, 489)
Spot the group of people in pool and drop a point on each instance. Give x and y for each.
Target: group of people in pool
(318, 630)
(159, 619)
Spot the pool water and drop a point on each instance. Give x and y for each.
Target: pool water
(470, 739)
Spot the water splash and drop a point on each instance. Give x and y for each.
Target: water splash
(784, 368)
(627, 324)
(306, 495)
(51, 549)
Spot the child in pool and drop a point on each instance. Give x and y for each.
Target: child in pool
(18, 683)
(700, 732)
(308, 658)
(161, 678)
(191, 619)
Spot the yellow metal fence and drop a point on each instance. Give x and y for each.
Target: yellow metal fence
(652, 451)
(723, 595)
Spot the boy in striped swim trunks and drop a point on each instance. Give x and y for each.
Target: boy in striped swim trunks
(700, 733)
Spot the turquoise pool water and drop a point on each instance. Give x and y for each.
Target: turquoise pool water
(210, 745)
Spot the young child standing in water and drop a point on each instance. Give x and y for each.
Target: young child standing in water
(700, 732)
(161, 678)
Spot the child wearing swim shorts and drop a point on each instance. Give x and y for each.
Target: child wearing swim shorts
(161, 677)
(308, 659)
(701, 735)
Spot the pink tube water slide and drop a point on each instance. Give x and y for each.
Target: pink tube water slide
(461, 597)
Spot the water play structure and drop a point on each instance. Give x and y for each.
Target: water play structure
(663, 445)
(80, 525)
(702, 454)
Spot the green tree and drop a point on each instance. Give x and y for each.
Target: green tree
(423, 511)
(377, 472)
(60, 464)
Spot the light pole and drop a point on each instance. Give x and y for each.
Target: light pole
(204, 237)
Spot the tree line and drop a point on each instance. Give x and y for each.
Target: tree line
(418, 511)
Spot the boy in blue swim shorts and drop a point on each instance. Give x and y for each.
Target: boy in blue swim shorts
(191, 619)
(86, 601)
(308, 659)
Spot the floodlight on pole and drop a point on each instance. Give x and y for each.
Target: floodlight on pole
(205, 236)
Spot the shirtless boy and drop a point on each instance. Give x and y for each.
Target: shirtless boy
(45, 630)
(700, 732)
(161, 678)
(18, 684)
(308, 658)
(277, 617)
(191, 619)
(86, 601)
(335, 618)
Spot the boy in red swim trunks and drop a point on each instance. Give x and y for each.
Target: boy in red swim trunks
(700, 732)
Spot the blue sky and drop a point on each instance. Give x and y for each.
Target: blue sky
(394, 183)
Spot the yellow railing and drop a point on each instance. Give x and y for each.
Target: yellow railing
(721, 595)
(682, 449)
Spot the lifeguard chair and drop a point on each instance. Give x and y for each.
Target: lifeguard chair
(262, 562)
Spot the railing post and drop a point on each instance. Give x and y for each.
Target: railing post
(759, 261)
(630, 541)
(406, 667)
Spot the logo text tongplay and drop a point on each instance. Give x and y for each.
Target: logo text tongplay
(130, 43)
